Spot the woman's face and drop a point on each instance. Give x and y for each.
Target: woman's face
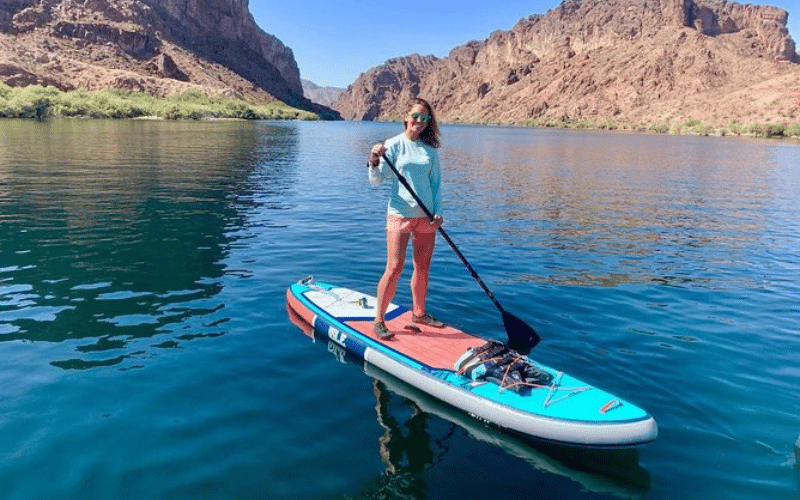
(416, 120)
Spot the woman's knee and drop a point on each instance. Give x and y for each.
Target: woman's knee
(423, 252)
(394, 268)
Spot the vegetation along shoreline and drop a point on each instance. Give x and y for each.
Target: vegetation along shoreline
(36, 101)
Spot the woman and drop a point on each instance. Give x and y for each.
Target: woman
(414, 154)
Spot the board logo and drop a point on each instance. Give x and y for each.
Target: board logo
(337, 335)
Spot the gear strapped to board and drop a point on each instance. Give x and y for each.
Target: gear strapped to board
(495, 362)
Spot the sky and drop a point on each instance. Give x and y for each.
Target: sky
(334, 42)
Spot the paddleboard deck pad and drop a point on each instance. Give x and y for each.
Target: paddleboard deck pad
(483, 378)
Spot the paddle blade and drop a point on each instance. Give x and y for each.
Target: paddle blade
(521, 336)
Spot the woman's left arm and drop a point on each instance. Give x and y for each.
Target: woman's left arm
(436, 184)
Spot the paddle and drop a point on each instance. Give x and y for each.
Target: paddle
(521, 336)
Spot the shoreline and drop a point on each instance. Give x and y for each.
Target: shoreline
(38, 102)
(751, 131)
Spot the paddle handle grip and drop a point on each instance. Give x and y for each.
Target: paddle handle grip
(446, 236)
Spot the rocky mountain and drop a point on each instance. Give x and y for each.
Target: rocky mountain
(321, 95)
(624, 61)
(156, 46)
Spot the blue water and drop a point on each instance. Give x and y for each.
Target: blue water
(146, 350)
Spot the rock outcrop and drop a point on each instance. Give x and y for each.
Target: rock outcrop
(393, 84)
(321, 95)
(157, 46)
(621, 60)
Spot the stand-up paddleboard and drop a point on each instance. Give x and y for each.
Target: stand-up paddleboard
(483, 378)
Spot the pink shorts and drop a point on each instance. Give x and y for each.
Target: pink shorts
(410, 225)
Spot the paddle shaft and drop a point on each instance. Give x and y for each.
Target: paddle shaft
(446, 237)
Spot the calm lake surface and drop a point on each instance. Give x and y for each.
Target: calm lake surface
(146, 350)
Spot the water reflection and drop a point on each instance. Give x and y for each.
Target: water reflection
(118, 231)
(652, 202)
(406, 455)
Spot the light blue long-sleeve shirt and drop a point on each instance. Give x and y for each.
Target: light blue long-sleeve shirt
(419, 164)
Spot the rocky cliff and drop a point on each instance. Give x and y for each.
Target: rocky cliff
(628, 61)
(157, 46)
(321, 95)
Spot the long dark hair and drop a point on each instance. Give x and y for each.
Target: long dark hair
(430, 135)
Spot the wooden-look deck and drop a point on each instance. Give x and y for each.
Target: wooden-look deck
(438, 348)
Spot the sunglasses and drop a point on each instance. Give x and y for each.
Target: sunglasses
(421, 117)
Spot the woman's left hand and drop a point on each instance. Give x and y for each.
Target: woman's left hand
(437, 221)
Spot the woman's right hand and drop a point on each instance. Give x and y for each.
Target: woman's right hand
(375, 154)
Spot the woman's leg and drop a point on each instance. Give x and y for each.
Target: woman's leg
(396, 244)
(423, 252)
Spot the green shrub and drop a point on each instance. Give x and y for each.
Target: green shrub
(607, 125)
(768, 130)
(691, 123)
(190, 96)
(6, 111)
(33, 101)
(704, 129)
(776, 130)
(792, 130)
(661, 128)
(240, 109)
(5, 91)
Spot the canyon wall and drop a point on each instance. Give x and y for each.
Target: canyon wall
(619, 60)
(155, 46)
